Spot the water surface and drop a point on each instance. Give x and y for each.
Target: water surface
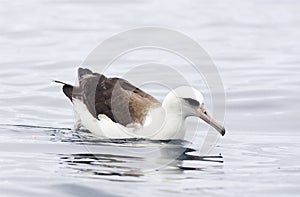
(255, 46)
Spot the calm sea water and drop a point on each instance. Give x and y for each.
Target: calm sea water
(255, 46)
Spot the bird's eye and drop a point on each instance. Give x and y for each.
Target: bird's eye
(205, 112)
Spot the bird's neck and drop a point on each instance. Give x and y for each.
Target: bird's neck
(168, 123)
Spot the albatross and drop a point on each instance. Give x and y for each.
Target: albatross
(114, 108)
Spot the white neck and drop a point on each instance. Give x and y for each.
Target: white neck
(165, 122)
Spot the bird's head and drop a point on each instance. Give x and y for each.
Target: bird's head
(190, 102)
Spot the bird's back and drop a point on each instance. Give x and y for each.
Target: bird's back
(114, 97)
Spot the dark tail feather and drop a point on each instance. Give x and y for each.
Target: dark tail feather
(83, 71)
(56, 81)
(67, 89)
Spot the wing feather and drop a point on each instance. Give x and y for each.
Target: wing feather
(118, 99)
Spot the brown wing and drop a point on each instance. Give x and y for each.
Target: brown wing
(115, 97)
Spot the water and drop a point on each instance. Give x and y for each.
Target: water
(255, 46)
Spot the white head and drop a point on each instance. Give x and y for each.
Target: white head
(187, 101)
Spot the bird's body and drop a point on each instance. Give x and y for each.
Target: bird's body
(114, 108)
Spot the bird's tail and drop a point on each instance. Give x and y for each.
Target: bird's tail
(67, 88)
(56, 81)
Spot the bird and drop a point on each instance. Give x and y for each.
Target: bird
(114, 108)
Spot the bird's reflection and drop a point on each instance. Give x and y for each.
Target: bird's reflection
(135, 158)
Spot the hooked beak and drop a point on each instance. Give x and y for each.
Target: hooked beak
(204, 115)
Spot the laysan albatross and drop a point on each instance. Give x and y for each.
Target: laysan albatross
(114, 108)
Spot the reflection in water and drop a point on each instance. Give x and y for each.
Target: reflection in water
(134, 157)
(122, 157)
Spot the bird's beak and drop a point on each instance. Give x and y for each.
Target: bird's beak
(204, 115)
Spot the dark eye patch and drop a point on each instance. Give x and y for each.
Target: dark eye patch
(192, 102)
